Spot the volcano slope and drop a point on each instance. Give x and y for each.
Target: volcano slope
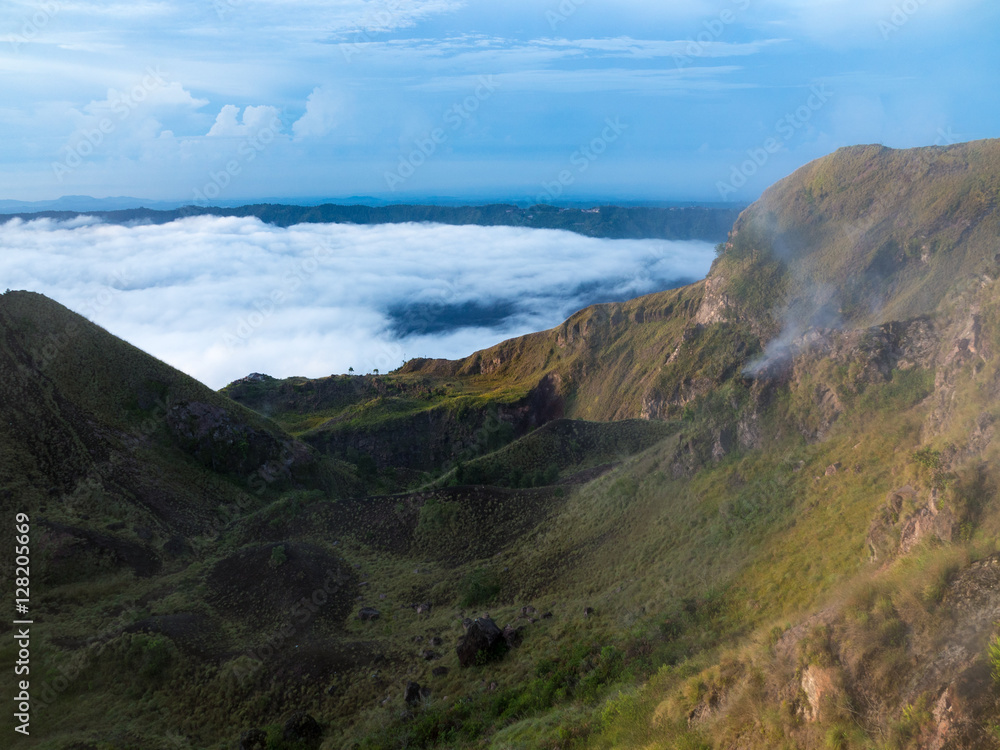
(756, 512)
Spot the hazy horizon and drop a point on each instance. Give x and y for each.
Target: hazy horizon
(233, 100)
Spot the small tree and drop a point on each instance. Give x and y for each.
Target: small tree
(350, 369)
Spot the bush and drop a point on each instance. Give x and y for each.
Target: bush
(994, 656)
(478, 587)
(148, 656)
(278, 557)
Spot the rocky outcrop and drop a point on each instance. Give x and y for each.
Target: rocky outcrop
(303, 729)
(822, 687)
(431, 438)
(253, 739)
(716, 307)
(483, 641)
(905, 519)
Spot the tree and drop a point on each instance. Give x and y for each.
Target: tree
(375, 371)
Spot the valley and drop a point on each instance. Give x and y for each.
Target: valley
(757, 511)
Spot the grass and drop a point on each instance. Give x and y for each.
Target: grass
(712, 562)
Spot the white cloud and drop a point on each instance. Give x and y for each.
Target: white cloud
(846, 22)
(222, 297)
(323, 110)
(229, 125)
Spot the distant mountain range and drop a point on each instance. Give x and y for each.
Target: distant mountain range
(118, 203)
(613, 222)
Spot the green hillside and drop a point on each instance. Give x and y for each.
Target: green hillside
(756, 512)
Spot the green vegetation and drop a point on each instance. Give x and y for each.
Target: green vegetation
(479, 587)
(686, 556)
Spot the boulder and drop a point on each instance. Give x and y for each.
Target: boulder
(304, 729)
(512, 636)
(482, 641)
(253, 739)
(366, 614)
(412, 693)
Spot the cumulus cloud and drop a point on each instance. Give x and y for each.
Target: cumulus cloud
(221, 297)
(229, 125)
(322, 114)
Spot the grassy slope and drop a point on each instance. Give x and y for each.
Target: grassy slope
(870, 234)
(717, 578)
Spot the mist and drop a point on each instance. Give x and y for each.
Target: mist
(220, 297)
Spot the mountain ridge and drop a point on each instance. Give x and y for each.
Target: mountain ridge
(795, 547)
(610, 222)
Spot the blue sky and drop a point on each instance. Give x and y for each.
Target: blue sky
(212, 101)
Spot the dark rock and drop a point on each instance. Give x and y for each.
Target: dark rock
(253, 739)
(482, 641)
(303, 728)
(424, 609)
(115, 526)
(439, 671)
(428, 655)
(367, 614)
(466, 623)
(546, 615)
(412, 693)
(436, 641)
(588, 611)
(512, 636)
(528, 610)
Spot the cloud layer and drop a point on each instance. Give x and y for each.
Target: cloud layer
(222, 297)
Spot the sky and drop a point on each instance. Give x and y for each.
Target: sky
(219, 298)
(222, 101)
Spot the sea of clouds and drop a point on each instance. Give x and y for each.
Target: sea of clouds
(220, 297)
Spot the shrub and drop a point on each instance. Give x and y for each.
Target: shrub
(278, 556)
(478, 587)
(994, 656)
